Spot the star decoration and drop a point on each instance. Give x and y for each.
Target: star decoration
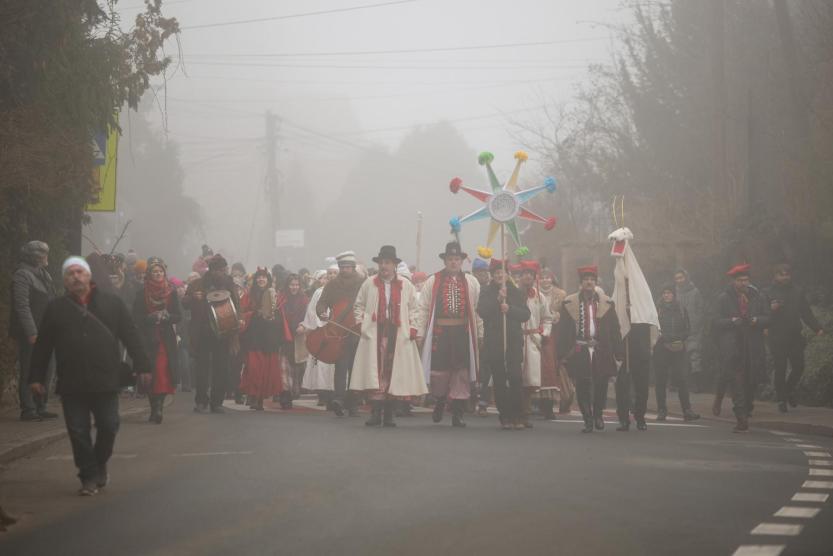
(505, 204)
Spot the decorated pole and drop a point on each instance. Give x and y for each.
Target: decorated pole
(419, 240)
(504, 205)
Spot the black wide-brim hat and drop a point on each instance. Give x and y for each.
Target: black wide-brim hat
(387, 252)
(453, 248)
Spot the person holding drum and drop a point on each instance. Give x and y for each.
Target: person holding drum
(156, 310)
(214, 307)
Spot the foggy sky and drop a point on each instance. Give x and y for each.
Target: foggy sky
(330, 114)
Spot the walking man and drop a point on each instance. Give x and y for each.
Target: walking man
(387, 365)
(691, 300)
(447, 324)
(670, 356)
(32, 290)
(790, 312)
(83, 329)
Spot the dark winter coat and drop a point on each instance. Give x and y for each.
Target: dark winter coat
(786, 323)
(741, 346)
(147, 325)
(609, 346)
(200, 329)
(673, 322)
(489, 310)
(88, 357)
(32, 290)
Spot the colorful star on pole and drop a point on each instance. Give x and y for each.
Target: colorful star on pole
(504, 205)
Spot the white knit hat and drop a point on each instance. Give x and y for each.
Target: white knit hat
(75, 261)
(346, 258)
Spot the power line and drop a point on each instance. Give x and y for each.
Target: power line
(412, 50)
(299, 15)
(388, 67)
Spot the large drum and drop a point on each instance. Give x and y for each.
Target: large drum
(222, 313)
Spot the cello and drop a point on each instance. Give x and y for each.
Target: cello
(327, 343)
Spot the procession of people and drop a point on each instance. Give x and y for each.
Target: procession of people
(389, 337)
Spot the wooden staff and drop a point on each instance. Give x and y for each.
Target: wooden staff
(505, 277)
(419, 240)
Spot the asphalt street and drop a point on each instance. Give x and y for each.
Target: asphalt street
(306, 482)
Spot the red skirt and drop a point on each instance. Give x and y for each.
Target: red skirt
(549, 363)
(262, 375)
(162, 383)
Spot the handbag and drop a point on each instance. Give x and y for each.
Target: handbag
(127, 376)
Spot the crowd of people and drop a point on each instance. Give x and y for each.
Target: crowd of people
(383, 335)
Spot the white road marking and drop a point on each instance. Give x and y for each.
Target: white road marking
(821, 462)
(795, 511)
(780, 529)
(823, 485)
(68, 457)
(807, 446)
(198, 454)
(650, 423)
(793, 440)
(818, 454)
(821, 472)
(779, 433)
(759, 550)
(810, 497)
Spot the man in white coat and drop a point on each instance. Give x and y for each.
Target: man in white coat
(387, 366)
(538, 326)
(448, 326)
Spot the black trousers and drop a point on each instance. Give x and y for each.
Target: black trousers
(591, 395)
(741, 385)
(633, 378)
(508, 390)
(343, 373)
(91, 457)
(673, 365)
(29, 403)
(787, 351)
(212, 369)
(484, 393)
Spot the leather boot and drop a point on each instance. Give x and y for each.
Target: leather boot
(458, 407)
(600, 423)
(439, 410)
(588, 426)
(742, 425)
(641, 424)
(375, 415)
(387, 420)
(6, 518)
(547, 409)
(160, 408)
(154, 409)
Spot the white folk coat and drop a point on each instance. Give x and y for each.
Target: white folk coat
(537, 327)
(318, 375)
(425, 323)
(406, 378)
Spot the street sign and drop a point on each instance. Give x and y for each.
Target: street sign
(289, 238)
(104, 150)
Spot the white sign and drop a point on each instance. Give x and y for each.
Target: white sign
(289, 238)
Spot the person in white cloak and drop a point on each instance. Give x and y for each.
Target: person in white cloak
(387, 366)
(318, 376)
(538, 327)
(639, 328)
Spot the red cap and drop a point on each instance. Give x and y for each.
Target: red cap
(419, 277)
(495, 264)
(590, 269)
(531, 266)
(515, 267)
(739, 270)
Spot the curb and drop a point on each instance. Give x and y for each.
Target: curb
(35, 443)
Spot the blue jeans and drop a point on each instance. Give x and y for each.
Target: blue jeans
(91, 458)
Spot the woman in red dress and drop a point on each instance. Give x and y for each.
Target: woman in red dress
(265, 333)
(156, 310)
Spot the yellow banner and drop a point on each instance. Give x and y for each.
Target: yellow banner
(105, 151)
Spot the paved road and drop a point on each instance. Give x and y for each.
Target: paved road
(305, 482)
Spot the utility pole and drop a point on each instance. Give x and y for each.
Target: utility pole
(720, 190)
(273, 192)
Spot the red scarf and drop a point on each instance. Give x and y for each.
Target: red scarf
(157, 294)
(381, 315)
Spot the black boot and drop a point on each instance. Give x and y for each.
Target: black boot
(588, 425)
(547, 409)
(624, 426)
(154, 409)
(600, 423)
(375, 415)
(458, 407)
(641, 424)
(439, 410)
(160, 408)
(387, 420)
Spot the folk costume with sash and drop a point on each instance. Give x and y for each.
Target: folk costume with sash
(387, 365)
(589, 345)
(447, 320)
(554, 378)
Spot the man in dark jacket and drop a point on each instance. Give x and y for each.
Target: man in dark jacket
(742, 316)
(670, 357)
(790, 309)
(83, 329)
(213, 352)
(498, 300)
(589, 343)
(32, 290)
